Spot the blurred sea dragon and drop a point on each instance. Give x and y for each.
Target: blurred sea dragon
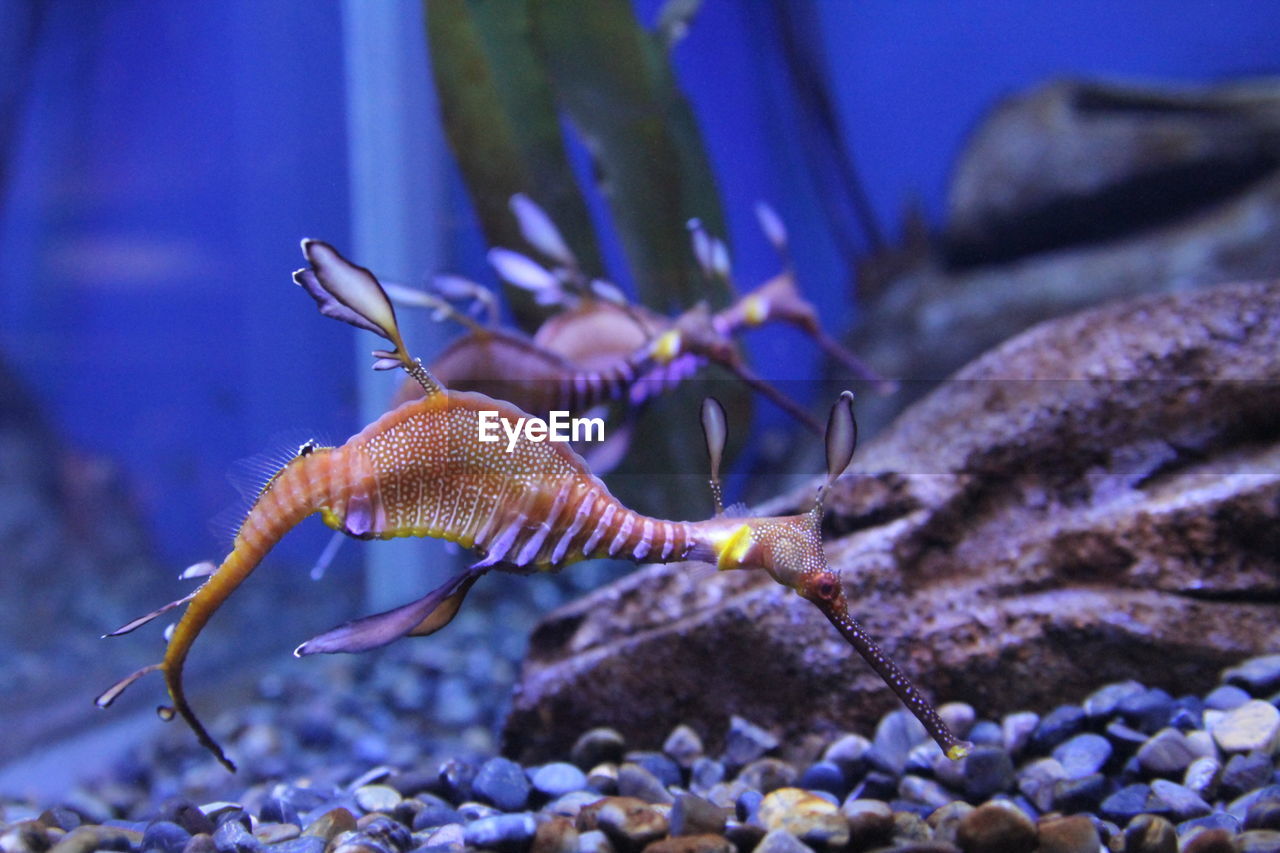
(421, 470)
(600, 347)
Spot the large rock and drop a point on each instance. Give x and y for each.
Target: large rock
(1094, 500)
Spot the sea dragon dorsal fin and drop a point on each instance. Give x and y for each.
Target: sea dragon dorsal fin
(353, 295)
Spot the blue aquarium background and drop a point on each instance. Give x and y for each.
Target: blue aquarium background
(159, 163)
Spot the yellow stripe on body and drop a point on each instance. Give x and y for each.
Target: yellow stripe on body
(732, 546)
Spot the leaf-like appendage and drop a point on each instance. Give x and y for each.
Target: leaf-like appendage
(715, 431)
(540, 231)
(842, 436)
(345, 291)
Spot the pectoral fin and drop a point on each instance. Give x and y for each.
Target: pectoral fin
(446, 610)
(380, 629)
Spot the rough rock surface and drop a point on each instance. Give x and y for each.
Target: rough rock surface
(1092, 501)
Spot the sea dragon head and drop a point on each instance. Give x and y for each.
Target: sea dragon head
(790, 549)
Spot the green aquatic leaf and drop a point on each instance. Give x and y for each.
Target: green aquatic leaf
(501, 121)
(614, 80)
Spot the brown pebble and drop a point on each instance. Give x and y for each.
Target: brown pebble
(705, 843)
(768, 774)
(1210, 841)
(629, 823)
(993, 828)
(201, 842)
(945, 821)
(557, 835)
(809, 818)
(1258, 841)
(597, 746)
(1150, 834)
(909, 827)
(273, 833)
(1075, 834)
(83, 839)
(330, 824)
(870, 823)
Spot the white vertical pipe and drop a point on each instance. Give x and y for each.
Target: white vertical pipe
(396, 168)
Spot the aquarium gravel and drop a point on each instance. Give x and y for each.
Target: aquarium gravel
(338, 770)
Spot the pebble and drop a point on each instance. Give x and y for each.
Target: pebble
(629, 823)
(945, 821)
(1147, 833)
(666, 770)
(692, 844)
(1079, 795)
(1203, 776)
(781, 841)
(870, 823)
(557, 779)
(165, 836)
(692, 815)
(745, 742)
(1102, 702)
(768, 774)
(1183, 803)
(1061, 723)
(1255, 725)
(377, 798)
(598, 746)
(986, 771)
(1130, 801)
(896, 734)
(1264, 812)
(232, 837)
(1260, 675)
(501, 832)
(684, 745)
(824, 776)
(1016, 729)
(704, 774)
(1036, 781)
(636, 781)
(848, 752)
(1226, 697)
(1083, 755)
(811, 819)
(1075, 834)
(1210, 841)
(927, 792)
(501, 783)
(1167, 753)
(1258, 841)
(994, 828)
(1148, 711)
(1245, 772)
(555, 835)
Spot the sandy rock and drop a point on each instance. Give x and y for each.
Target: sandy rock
(1092, 501)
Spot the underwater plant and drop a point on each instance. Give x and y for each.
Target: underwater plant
(421, 470)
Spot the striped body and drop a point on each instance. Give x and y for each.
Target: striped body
(420, 470)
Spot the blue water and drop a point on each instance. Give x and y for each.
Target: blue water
(163, 159)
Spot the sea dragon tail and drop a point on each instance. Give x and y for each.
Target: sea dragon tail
(299, 489)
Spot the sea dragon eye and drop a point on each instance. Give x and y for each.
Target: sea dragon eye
(826, 587)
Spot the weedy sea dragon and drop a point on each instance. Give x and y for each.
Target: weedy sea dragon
(420, 470)
(600, 347)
